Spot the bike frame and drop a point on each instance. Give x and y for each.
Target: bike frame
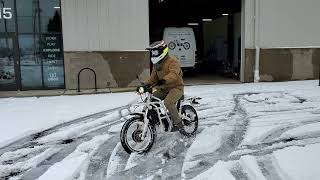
(157, 106)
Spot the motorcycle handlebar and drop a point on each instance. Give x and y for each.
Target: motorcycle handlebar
(144, 89)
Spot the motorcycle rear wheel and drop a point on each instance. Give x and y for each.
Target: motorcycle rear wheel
(189, 126)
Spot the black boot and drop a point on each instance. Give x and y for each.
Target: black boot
(177, 127)
(174, 129)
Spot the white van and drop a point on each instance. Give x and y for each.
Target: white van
(182, 44)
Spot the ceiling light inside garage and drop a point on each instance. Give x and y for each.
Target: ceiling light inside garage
(206, 20)
(193, 24)
(57, 7)
(225, 14)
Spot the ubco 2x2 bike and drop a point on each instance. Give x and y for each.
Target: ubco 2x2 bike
(139, 132)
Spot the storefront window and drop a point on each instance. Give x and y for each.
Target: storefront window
(7, 73)
(50, 16)
(39, 38)
(30, 62)
(7, 14)
(28, 16)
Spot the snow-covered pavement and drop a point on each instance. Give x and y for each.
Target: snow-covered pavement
(25, 116)
(246, 131)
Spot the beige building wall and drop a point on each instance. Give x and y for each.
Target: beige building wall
(286, 31)
(289, 23)
(105, 25)
(113, 69)
(108, 36)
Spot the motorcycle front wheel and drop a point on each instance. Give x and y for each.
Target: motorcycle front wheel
(131, 136)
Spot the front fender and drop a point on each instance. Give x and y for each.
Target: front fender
(137, 114)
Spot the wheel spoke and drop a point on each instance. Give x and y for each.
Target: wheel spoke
(133, 143)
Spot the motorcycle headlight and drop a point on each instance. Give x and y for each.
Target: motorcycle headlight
(141, 90)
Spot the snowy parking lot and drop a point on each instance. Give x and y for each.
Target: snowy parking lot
(246, 131)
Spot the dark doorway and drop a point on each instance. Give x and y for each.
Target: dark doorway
(217, 30)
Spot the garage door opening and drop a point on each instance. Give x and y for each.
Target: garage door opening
(205, 35)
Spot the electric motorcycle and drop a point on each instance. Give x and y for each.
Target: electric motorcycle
(139, 132)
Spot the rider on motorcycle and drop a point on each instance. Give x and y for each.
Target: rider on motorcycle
(167, 76)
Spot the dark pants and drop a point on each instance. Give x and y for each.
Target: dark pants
(170, 99)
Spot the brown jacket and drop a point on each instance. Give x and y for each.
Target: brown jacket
(170, 71)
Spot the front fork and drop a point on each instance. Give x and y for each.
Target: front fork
(146, 123)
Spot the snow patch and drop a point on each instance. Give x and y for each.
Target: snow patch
(219, 171)
(24, 116)
(116, 128)
(271, 98)
(251, 168)
(132, 161)
(298, 163)
(208, 141)
(73, 132)
(187, 166)
(316, 111)
(33, 162)
(114, 161)
(158, 173)
(71, 166)
(304, 130)
(10, 156)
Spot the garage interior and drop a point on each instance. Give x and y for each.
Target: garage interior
(217, 30)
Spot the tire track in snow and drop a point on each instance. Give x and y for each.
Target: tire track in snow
(28, 141)
(277, 132)
(67, 145)
(167, 154)
(17, 169)
(229, 141)
(117, 161)
(272, 140)
(269, 148)
(97, 168)
(238, 172)
(267, 168)
(76, 162)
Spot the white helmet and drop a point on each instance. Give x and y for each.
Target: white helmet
(158, 50)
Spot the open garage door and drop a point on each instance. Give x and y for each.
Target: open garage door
(205, 35)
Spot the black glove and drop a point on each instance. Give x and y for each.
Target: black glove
(161, 82)
(146, 88)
